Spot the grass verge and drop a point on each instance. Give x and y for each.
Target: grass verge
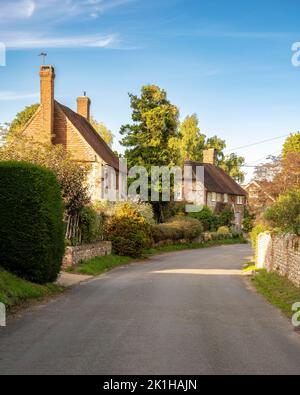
(279, 291)
(97, 266)
(15, 292)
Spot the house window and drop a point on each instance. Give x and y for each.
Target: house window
(219, 197)
(214, 197)
(240, 200)
(226, 198)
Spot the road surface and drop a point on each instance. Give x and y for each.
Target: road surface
(189, 313)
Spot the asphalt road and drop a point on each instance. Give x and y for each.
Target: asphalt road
(180, 313)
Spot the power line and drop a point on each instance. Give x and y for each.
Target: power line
(257, 143)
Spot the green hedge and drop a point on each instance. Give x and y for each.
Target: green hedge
(31, 226)
(178, 228)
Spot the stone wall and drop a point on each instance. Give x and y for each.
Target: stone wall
(280, 254)
(74, 255)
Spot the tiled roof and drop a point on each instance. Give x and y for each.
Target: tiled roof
(91, 136)
(217, 180)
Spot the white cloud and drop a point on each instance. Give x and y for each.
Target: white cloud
(13, 96)
(18, 41)
(17, 9)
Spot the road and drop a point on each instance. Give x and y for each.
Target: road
(179, 313)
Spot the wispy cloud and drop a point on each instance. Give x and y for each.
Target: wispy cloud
(17, 9)
(49, 9)
(14, 96)
(19, 41)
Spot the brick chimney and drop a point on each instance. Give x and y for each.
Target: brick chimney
(47, 77)
(83, 106)
(210, 156)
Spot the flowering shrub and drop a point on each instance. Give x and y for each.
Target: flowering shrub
(128, 231)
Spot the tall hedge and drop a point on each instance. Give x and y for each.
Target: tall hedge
(31, 222)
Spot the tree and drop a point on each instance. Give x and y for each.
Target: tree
(291, 145)
(219, 145)
(148, 140)
(285, 213)
(191, 142)
(71, 176)
(103, 131)
(232, 165)
(21, 120)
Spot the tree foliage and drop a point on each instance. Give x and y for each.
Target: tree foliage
(148, 140)
(291, 145)
(21, 120)
(285, 213)
(191, 141)
(103, 131)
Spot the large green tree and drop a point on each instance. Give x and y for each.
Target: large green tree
(148, 140)
(232, 164)
(191, 142)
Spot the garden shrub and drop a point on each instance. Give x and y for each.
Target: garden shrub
(224, 230)
(284, 214)
(91, 225)
(259, 228)
(31, 226)
(226, 217)
(178, 228)
(208, 219)
(129, 232)
(248, 222)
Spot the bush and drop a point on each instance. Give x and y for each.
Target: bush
(208, 219)
(248, 222)
(31, 227)
(285, 213)
(226, 217)
(178, 228)
(109, 209)
(91, 225)
(259, 228)
(224, 230)
(129, 232)
(72, 177)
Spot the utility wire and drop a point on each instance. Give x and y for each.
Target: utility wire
(257, 143)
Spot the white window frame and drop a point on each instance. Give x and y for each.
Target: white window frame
(226, 198)
(214, 197)
(240, 200)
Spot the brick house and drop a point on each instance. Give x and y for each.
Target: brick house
(57, 124)
(220, 190)
(258, 198)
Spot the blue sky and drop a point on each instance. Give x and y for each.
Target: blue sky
(228, 61)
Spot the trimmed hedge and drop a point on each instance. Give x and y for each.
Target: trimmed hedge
(31, 225)
(178, 228)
